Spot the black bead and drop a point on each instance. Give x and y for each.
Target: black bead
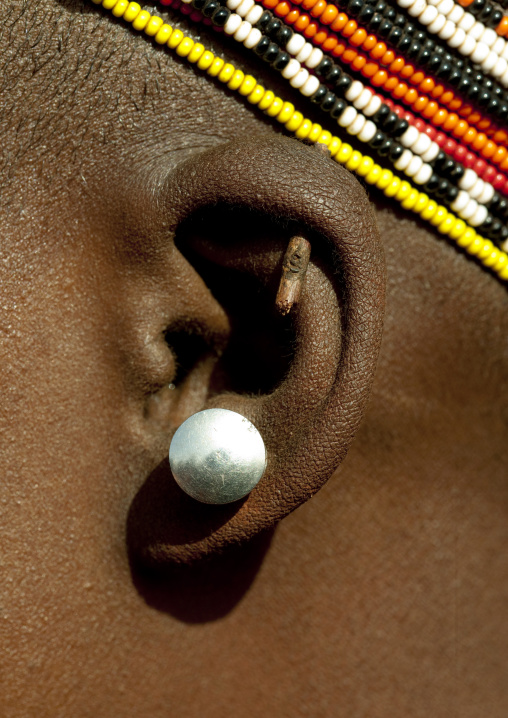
(377, 140)
(273, 26)
(503, 111)
(263, 21)
(485, 14)
(457, 172)
(400, 127)
(380, 116)
(381, 6)
(365, 15)
(434, 62)
(444, 70)
(262, 46)
(385, 148)
(413, 49)
(464, 85)
(503, 235)
(209, 8)
(442, 188)
(394, 35)
(483, 98)
(271, 53)
(328, 101)
(375, 21)
(198, 4)
(452, 193)
(455, 77)
(338, 108)
(404, 43)
(395, 152)
(400, 20)
(390, 14)
(221, 16)
(391, 122)
(343, 84)
(283, 36)
(474, 91)
(419, 36)
(423, 57)
(281, 61)
(410, 28)
(384, 28)
(432, 184)
(477, 6)
(333, 75)
(319, 95)
(323, 67)
(354, 6)
(495, 18)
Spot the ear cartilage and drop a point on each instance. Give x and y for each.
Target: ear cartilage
(294, 269)
(217, 456)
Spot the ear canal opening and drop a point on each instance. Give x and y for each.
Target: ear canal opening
(238, 254)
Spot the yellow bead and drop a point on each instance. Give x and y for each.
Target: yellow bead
(226, 73)
(421, 202)
(403, 191)
(354, 161)
(324, 138)
(163, 34)
(466, 238)
(365, 166)
(501, 262)
(248, 84)
(141, 20)
(334, 146)
(486, 249)
(266, 101)
(275, 107)
(153, 25)
(475, 246)
(315, 132)
(373, 176)
(132, 11)
(108, 4)
(492, 258)
(393, 187)
(206, 60)
(120, 8)
(439, 216)
(196, 52)
(459, 228)
(184, 48)
(215, 67)
(410, 200)
(236, 81)
(429, 211)
(344, 153)
(447, 224)
(175, 39)
(294, 122)
(503, 274)
(303, 131)
(385, 179)
(256, 95)
(286, 112)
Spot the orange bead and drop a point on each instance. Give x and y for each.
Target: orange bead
(421, 103)
(500, 136)
(292, 17)
(460, 128)
(504, 165)
(370, 69)
(417, 77)
(370, 42)
(484, 125)
(358, 38)
(311, 29)
(397, 65)
(302, 23)
(329, 14)
(410, 96)
(437, 91)
(320, 37)
(339, 50)
(379, 78)
(427, 85)
(407, 71)
(308, 4)
(378, 51)
(455, 104)
(502, 28)
(358, 62)
(282, 9)
(387, 58)
(499, 155)
(489, 149)
(470, 136)
(318, 8)
(479, 141)
(430, 110)
(451, 121)
(349, 55)
(474, 117)
(270, 4)
(440, 117)
(391, 83)
(350, 28)
(465, 3)
(400, 90)
(447, 97)
(329, 44)
(339, 22)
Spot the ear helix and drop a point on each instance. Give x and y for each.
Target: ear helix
(308, 419)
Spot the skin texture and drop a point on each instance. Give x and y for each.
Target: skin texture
(384, 595)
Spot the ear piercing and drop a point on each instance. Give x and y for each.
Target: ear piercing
(217, 456)
(294, 269)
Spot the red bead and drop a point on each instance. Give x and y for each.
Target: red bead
(449, 147)
(440, 138)
(499, 181)
(460, 153)
(489, 174)
(469, 160)
(431, 132)
(480, 166)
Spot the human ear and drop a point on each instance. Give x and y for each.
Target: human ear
(233, 210)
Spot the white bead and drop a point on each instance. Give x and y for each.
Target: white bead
(499, 46)
(300, 78)
(422, 144)
(357, 125)
(354, 91)
(243, 31)
(469, 209)
(487, 194)
(414, 166)
(364, 98)
(476, 191)
(348, 117)
(466, 22)
(505, 52)
(291, 69)
(467, 180)
(417, 8)
(428, 15)
(438, 24)
(304, 53)
(295, 44)
(431, 153)
(445, 7)
(477, 30)
(252, 38)
(310, 86)
(409, 137)
(490, 61)
(368, 131)
(480, 52)
(457, 38)
(460, 201)
(456, 14)
(423, 175)
(254, 14)
(403, 160)
(233, 23)
(467, 46)
(233, 4)
(500, 67)
(404, 3)
(504, 79)
(447, 31)
(433, 2)
(315, 58)
(489, 36)
(373, 106)
(479, 216)
(245, 7)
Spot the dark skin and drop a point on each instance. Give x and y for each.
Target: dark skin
(386, 594)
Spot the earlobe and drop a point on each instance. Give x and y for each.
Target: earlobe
(234, 210)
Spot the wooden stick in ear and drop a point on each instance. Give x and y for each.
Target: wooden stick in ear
(294, 268)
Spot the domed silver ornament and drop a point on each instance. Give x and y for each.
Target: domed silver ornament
(217, 456)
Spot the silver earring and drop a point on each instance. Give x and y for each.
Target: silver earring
(217, 456)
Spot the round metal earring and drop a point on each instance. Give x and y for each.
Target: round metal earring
(217, 456)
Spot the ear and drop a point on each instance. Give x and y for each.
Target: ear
(303, 380)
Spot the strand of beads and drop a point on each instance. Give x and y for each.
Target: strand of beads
(488, 14)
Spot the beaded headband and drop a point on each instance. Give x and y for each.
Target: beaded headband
(431, 112)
